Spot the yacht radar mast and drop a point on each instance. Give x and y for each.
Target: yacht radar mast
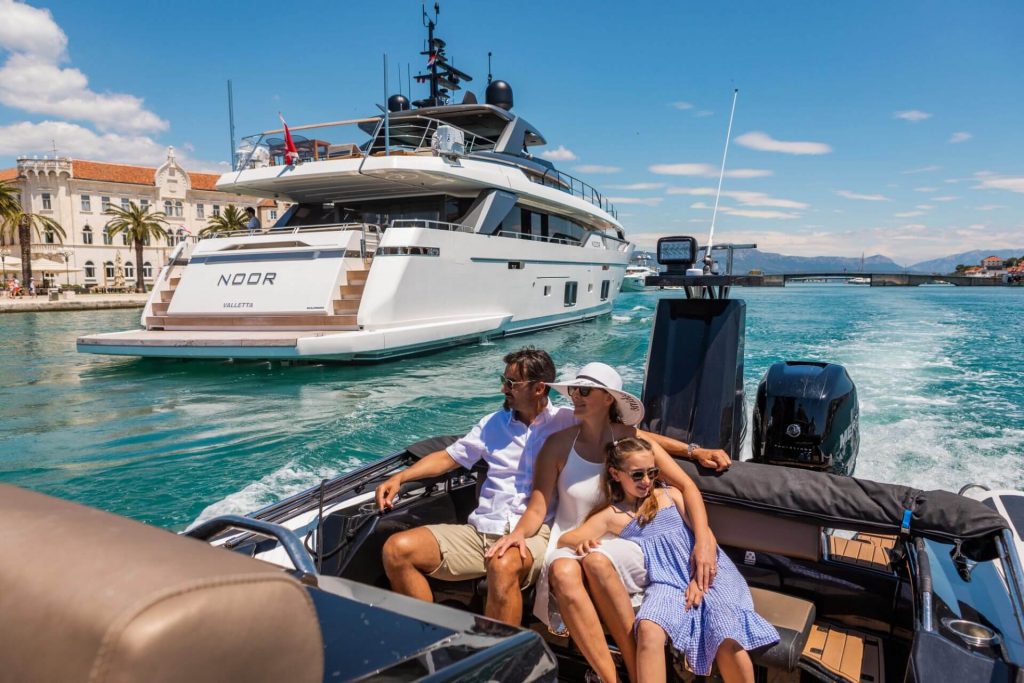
(443, 77)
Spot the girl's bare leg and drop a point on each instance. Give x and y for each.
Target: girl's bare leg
(650, 652)
(734, 663)
(612, 602)
(580, 617)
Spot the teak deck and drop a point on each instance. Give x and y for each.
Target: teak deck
(848, 655)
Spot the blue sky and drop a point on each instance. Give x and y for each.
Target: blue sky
(868, 127)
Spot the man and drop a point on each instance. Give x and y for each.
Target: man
(253, 225)
(508, 441)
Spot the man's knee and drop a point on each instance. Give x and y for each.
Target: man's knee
(508, 568)
(402, 549)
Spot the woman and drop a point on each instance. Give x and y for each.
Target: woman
(718, 624)
(568, 469)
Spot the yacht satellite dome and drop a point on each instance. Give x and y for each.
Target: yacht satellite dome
(499, 93)
(398, 103)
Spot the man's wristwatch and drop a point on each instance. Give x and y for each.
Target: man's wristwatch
(690, 448)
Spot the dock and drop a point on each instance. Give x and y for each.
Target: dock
(71, 302)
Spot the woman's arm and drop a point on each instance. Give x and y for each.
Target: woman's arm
(713, 458)
(545, 478)
(595, 527)
(705, 548)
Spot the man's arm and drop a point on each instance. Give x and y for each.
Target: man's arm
(714, 458)
(432, 465)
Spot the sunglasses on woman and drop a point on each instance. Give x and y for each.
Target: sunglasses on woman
(582, 391)
(651, 473)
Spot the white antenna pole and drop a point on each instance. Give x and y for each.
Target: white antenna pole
(721, 176)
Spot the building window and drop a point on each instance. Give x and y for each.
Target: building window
(104, 204)
(216, 209)
(200, 211)
(177, 209)
(147, 270)
(86, 203)
(570, 293)
(87, 235)
(107, 237)
(605, 286)
(144, 204)
(129, 270)
(125, 203)
(46, 201)
(108, 270)
(49, 237)
(145, 240)
(124, 238)
(272, 214)
(90, 271)
(168, 208)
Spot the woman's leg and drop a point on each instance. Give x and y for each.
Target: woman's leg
(566, 577)
(650, 652)
(612, 602)
(734, 662)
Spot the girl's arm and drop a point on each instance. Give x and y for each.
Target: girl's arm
(705, 547)
(545, 478)
(595, 527)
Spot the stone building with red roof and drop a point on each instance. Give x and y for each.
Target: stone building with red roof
(76, 192)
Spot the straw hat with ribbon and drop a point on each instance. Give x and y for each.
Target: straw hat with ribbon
(601, 376)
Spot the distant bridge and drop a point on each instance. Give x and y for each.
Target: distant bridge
(876, 279)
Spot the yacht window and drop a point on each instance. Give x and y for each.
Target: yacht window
(605, 286)
(547, 290)
(590, 287)
(515, 265)
(570, 293)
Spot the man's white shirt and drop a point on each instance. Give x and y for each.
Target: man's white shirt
(510, 449)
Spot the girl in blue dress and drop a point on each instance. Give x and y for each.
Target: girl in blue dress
(718, 625)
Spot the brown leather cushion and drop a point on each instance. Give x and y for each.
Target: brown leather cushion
(793, 618)
(90, 596)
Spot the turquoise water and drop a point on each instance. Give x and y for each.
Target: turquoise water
(939, 371)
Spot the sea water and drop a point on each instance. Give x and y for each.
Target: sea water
(939, 373)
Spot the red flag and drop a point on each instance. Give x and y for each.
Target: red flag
(291, 155)
(433, 58)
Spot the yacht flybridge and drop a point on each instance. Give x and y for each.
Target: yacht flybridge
(425, 226)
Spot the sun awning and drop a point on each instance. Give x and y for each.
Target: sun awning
(42, 264)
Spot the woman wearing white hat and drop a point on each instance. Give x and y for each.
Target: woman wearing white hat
(568, 472)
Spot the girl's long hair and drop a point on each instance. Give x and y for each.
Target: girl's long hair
(616, 454)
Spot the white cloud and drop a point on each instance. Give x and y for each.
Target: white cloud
(703, 112)
(862, 197)
(926, 189)
(912, 115)
(597, 168)
(559, 154)
(765, 143)
(962, 136)
(923, 169)
(645, 201)
(746, 213)
(909, 214)
(744, 197)
(32, 79)
(682, 105)
(989, 207)
(637, 186)
(990, 181)
(924, 207)
(706, 171)
(945, 199)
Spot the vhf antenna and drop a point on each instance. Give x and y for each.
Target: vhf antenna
(708, 261)
(489, 77)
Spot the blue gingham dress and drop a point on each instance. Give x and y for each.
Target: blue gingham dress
(727, 610)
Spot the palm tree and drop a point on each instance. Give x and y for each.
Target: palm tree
(140, 226)
(14, 220)
(232, 219)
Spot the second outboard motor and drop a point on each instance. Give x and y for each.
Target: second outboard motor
(806, 415)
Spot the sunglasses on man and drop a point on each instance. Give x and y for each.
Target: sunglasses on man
(651, 473)
(510, 384)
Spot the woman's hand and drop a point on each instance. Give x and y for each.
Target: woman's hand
(694, 595)
(704, 560)
(586, 547)
(506, 542)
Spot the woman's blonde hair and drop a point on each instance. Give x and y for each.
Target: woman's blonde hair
(616, 453)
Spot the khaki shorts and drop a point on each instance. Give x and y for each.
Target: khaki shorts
(463, 547)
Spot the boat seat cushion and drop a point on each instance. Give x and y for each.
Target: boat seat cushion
(91, 596)
(793, 618)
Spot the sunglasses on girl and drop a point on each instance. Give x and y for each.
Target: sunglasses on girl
(651, 473)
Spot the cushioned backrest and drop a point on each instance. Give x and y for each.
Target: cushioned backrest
(90, 596)
(752, 530)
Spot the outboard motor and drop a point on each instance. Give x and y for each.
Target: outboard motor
(806, 415)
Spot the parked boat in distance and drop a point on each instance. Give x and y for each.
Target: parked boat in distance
(429, 225)
(637, 272)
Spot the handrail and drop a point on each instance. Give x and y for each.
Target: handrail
(430, 224)
(538, 238)
(417, 131)
(575, 187)
(294, 230)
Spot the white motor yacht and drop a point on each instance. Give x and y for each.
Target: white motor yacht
(635, 277)
(430, 225)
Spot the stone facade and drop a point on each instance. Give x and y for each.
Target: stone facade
(75, 194)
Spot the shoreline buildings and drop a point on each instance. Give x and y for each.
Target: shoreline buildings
(76, 192)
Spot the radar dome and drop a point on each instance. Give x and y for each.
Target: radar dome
(499, 93)
(398, 103)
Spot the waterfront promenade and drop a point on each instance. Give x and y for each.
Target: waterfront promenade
(80, 302)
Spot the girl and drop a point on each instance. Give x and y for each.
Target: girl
(719, 624)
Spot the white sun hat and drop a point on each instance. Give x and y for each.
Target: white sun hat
(601, 376)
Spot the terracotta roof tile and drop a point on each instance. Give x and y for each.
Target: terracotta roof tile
(267, 203)
(114, 173)
(203, 181)
(8, 173)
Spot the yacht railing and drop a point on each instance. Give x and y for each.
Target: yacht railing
(574, 186)
(616, 243)
(430, 224)
(416, 135)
